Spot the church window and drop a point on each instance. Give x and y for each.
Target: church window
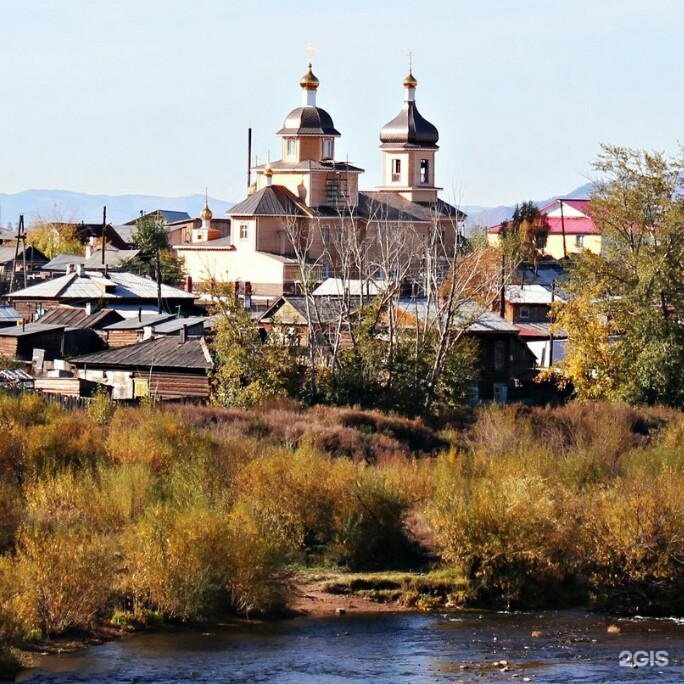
(291, 147)
(424, 171)
(327, 148)
(333, 192)
(579, 241)
(244, 231)
(396, 170)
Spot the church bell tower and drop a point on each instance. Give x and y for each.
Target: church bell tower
(408, 145)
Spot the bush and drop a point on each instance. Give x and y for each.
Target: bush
(66, 574)
(176, 561)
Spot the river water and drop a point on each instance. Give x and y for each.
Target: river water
(574, 647)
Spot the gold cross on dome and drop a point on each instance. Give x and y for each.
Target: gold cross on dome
(310, 49)
(410, 56)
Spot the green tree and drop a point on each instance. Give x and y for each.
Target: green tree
(249, 370)
(625, 313)
(525, 234)
(156, 258)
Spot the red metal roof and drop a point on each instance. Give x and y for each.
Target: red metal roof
(573, 226)
(578, 204)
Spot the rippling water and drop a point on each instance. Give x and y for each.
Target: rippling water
(575, 647)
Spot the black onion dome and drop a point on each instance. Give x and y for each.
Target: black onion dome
(308, 120)
(409, 128)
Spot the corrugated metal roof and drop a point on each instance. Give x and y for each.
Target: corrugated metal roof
(474, 316)
(9, 313)
(113, 258)
(336, 287)
(177, 324)
(62, 261)
(161, 352)
(93, 285)
(15, 375)
(74, 317)
(7, 253)
(28, 329)
(168, 215)
(529, 294)
(135, 324)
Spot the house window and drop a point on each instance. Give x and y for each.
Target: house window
(396, 170)
(424, 171)
(327, 148)
(244, 231)
(291, 147)
(325, 235)
(540, 240)
(579, 241)
(524, 313)
(499, 355)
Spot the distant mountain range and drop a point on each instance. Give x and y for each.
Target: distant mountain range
(492, 216)
(77, 206)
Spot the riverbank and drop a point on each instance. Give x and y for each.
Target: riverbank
(138, 515)
(322, 593)
(420, 648)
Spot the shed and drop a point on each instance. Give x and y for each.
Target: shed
(18, 342)
(166, 367)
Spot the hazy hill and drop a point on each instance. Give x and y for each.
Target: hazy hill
(78, 206)
(491, 216)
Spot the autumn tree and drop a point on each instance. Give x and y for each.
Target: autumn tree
(156, 258)
(525, 233)
(248, 369)
(54, 237)
(625, 310)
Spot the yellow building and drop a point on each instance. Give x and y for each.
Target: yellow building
(571, 229)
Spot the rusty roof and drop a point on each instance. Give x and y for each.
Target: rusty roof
(161, 352)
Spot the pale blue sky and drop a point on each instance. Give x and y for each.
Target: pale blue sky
(155, 96)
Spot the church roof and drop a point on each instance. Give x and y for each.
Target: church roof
(390, 206)
(309, 165)
(308, 120)
(409, 127)
(273, 200)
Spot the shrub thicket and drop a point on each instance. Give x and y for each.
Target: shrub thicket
(186, 513)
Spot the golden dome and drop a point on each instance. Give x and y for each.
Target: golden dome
(309, 81)
(206, 214)
(410, 81)
(268, 171)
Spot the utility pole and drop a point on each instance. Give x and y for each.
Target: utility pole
(502, 290)
(565, 249)
(104, 230)
(16, 254)
(23, 246)
(553, 299)
(249, 157)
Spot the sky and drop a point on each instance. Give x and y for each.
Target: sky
(155, 96)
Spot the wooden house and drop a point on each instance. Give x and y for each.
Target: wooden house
(132, 330)
(119, 291)
(19, 341)
(168, 368)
